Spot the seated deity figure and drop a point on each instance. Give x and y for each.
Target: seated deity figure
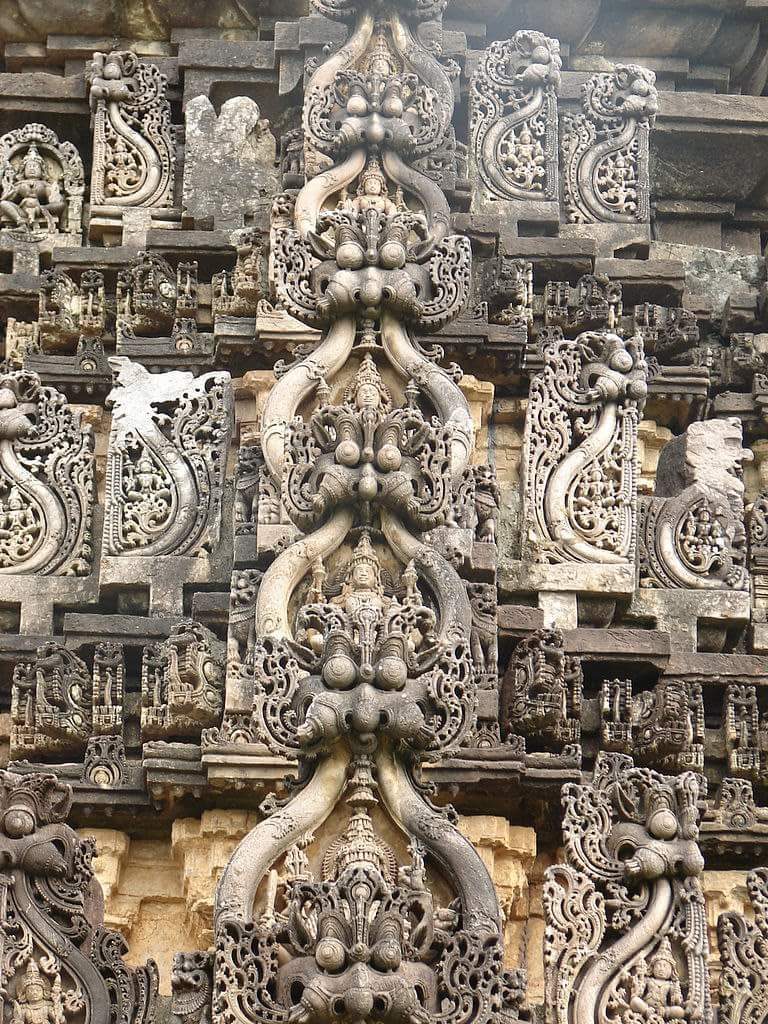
(661, 998)
(32, 201)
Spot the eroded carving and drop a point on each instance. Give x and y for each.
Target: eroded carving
(165, 466)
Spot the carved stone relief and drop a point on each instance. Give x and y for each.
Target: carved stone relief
(41, 186)
(692, 532)
(580, 464)
(133, 150)
(165, 466)
(744, 956)
(513, 118)
(46, 481)
(605, 148)
(626, 928)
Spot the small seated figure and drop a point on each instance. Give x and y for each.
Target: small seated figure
(661, 998)
(33, 201)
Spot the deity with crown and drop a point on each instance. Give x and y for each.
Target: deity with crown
(35, 1003)
(32, 202)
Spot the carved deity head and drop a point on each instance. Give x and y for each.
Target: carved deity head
(367, 389)
(372, 181)
(364, 572)
(32, 166)
(31, 989)
(662, 963)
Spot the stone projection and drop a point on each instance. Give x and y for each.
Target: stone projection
(383, 512)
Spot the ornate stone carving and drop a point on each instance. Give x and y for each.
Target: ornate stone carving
(359, 654)
(58, 962)
(104, 764)
(580, 463)
(744, 955)
(238, 293)
(368, 936)
(741, 725)
(192, 984)
(41, 186)
(692, 532)
(670, 334)
(593, 304)
(133, 149)
(165, 469)
(542, 691)
(151, 297)
(50, 704)
(605, 148)
(513, 117)
(662, 727)
(46, 481)
(182, 683)
(108, 688)
(68, 311)
(626, 924)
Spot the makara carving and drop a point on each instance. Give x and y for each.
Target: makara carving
(626, 934)
(605, 148)
(46, 481)
(513, 120)
(58, 962)
(692, 532)
(580, 462)
(133, 149)
(165, 466)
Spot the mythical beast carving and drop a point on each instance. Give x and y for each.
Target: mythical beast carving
(580, 461)
(626, 935)
(58, 964)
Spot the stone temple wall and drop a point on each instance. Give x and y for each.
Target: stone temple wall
(383, 512)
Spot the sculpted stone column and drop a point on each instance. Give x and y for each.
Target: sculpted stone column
(353, 651)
